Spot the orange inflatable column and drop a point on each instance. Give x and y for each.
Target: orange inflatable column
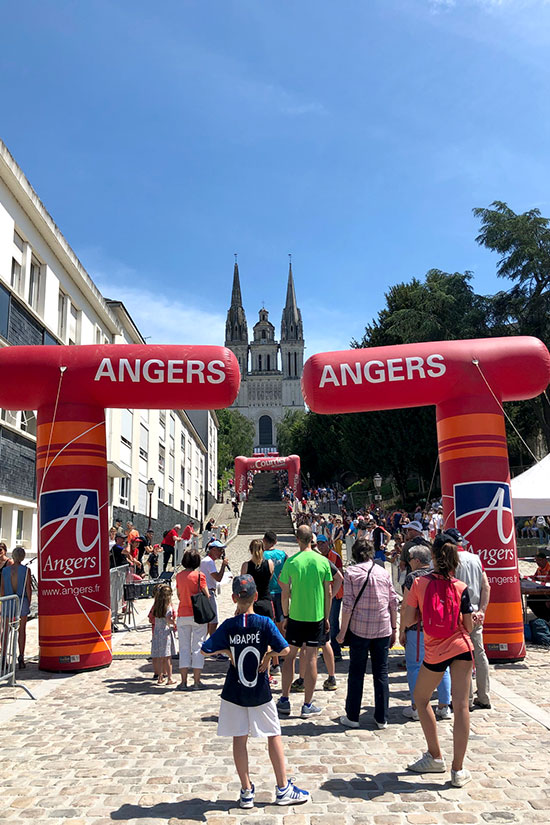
(475, 484)
(73, 585)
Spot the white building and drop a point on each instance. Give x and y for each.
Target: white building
(47, 297)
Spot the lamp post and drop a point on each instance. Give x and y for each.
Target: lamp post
(377, 480)
(150, 490)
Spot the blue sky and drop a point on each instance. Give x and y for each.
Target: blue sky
(164, 137)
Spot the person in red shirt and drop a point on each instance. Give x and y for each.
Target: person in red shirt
(540, 608)
(168, 544)
(188, 532)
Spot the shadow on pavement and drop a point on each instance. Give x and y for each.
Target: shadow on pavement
(192, 809)
(370, 786)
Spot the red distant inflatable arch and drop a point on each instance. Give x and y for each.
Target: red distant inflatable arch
(467, 381)
(260, 462)
(70, 387)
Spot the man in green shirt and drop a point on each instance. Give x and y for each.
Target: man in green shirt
(305, 594)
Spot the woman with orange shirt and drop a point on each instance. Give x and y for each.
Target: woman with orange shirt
(190, 634)
(440, 598)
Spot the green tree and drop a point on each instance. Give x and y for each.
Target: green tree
(399, 443)
(523, 243)
(235, 437)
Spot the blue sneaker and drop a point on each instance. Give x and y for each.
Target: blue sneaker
(309, 710)
(247, 797)
(283, 706)
(291, 795)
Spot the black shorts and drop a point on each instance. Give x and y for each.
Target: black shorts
(310, 634)
(277, 607)
(441, 667)
(264, 607)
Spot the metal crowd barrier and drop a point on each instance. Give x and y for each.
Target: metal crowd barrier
(118, 580)
(10, 608)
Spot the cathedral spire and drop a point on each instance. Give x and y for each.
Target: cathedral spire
(291, 323)
(290, 293)
(236, 297)
(236, 330)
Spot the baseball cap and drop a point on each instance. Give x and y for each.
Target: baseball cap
(244, 586)
(321, 537)
(455, 534)
(413, 525)
(216, 543)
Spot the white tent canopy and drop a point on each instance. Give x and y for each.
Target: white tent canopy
(531, 490)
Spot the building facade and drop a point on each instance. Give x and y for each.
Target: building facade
(270, 369)
(47, 297)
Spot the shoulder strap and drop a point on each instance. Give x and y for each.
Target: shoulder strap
(361, 591)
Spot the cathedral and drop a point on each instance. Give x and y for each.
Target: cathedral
(270, 370)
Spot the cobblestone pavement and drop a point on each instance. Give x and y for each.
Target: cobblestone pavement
(109, 746)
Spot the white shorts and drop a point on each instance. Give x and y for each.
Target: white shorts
(261, 720)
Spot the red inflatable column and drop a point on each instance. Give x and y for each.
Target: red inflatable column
(475, 483)
(73, 584)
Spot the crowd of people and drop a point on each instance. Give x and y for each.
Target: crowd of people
(293, 607)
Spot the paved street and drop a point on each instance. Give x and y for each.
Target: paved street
(108, 746)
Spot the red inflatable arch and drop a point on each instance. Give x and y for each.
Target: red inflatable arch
(244, 465)
(70, 388)
(467, 381)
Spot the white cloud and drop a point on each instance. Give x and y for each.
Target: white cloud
(159, 317)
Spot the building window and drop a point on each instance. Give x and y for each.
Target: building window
(62, 310)
(265, 426)
(5, 299)
(161, 493)
(295, 363)
(143, 442)
(19, 528)
(170, 500)
(124, 491)
(162, 459)
(182, 505)
(34, 285)
(98, 335)
(142, 497)
(28, 422)
(263, 334)
(171, 466)
(74, 331)
(268, 367)
(10, 417)
(183, 443)
(260, 363)
(196, 508)
(16, 279)
(126, 426)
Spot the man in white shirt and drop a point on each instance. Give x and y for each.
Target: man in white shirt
(471, 572)
(216, 551)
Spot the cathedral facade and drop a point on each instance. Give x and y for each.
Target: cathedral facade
(270, 370)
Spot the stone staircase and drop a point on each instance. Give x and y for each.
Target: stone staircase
(264, 509)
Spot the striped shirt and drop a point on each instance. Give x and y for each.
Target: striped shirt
(371, 618)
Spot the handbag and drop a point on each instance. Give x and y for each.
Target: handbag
(348, 631)
(203, 612)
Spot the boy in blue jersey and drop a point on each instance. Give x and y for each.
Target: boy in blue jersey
(247, 707)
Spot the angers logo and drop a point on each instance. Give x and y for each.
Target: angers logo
(483, 512)
(69, 535)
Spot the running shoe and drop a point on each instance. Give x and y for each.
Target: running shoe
(283, 706)
(444, 713)
(411, 713)
(274, 670)
(348, 723)
(460, 778)
(291, 795)
(247, 797)
(330, 683)
(297, 686)
(427, 764)
(309, 710)
(381, 725)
